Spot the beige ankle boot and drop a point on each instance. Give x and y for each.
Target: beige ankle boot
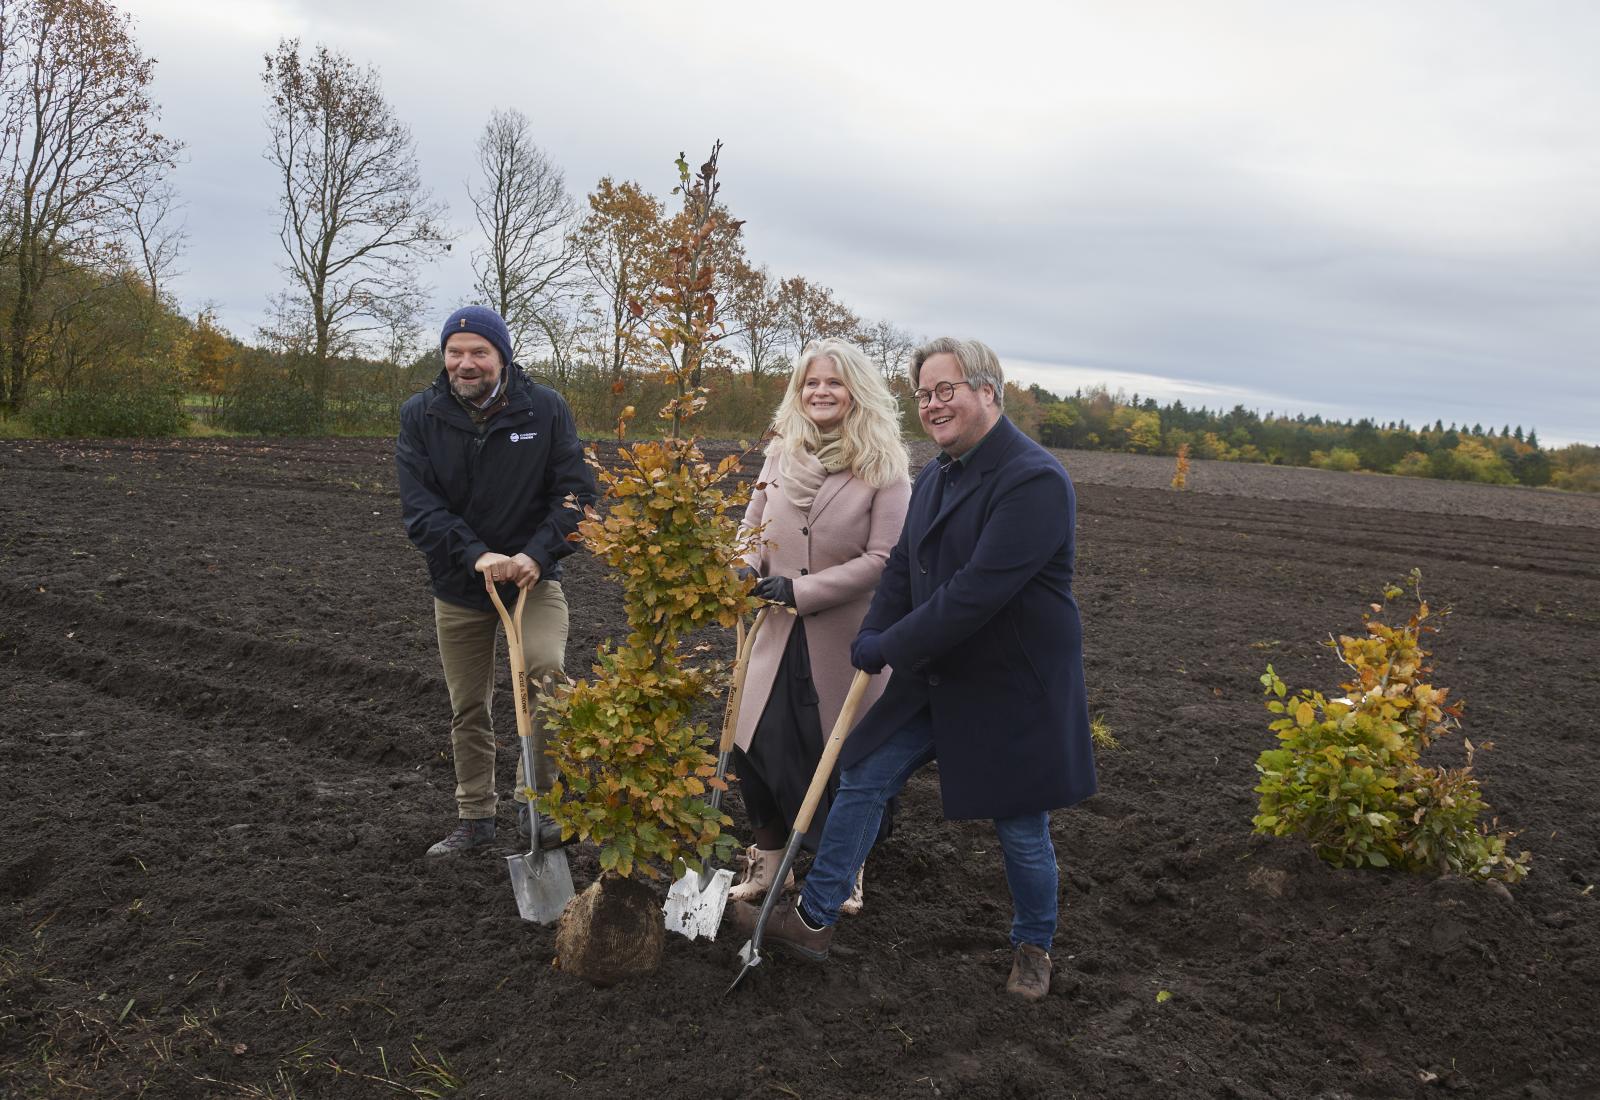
(760, 865)
(856, 900)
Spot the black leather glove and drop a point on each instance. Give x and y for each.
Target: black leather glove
(775, 590)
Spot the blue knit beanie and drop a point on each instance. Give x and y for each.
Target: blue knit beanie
(480, 321)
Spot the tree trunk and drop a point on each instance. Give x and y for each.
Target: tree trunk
(16, 393)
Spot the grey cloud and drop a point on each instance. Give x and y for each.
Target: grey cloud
(1212, 247)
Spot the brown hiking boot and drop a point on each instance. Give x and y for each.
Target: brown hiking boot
(549, 831)
(785, 927)
(468, 833)
(760, 865)
(1030, 973)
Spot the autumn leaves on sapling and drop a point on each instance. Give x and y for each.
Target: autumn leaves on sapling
(1347, 774)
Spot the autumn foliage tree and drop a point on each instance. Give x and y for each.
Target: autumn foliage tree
(754, 308)
(214, 358)
(79, 145)
(635, 767)
(621, 244)
(810, 311)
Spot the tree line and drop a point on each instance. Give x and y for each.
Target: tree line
(93, 342)
(89, 239)
(1096, 419)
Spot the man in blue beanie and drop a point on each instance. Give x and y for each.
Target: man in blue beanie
(488, 460)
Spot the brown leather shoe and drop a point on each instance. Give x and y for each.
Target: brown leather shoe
(1030, 973)
(785, 927)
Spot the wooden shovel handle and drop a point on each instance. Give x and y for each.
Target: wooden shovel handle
(830, 751)
(519, 668)
(747, 645)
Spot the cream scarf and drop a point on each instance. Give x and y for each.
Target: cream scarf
(802, 473)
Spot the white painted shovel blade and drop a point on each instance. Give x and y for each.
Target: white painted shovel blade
(695, 904)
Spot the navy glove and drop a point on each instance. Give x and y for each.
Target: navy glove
(775, 590)
(866, 652)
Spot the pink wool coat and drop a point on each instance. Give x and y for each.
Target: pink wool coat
(835, 553)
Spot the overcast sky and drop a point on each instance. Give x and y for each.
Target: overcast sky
(1353, 208)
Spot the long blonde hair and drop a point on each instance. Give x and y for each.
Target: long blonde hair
(870, 432)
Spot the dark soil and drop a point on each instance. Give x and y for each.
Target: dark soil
(223, 735)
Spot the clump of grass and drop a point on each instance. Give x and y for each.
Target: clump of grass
(1100, 734)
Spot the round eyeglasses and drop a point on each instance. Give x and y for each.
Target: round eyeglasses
(944, 391)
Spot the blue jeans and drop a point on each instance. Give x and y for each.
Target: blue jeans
(852, 825)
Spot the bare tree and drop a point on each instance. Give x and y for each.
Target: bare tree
(809, 311)
(356, 218)
(753, 307)
(77, 142)
(561, 334)
(525, 213)
(11, 114)
(151, 217)
(890, 346)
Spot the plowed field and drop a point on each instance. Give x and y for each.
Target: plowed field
(223, 735)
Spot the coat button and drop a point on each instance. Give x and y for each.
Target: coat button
(805, 530)
(933, 681)
(803, 572)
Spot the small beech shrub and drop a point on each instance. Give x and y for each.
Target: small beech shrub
(1346, 773)
(635, 768)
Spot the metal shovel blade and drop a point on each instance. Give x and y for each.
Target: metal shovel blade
(750, 958)
(542, 882)
(695, 903)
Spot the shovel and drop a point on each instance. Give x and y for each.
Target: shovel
(750, 953)
(696, 901)
(541, 880)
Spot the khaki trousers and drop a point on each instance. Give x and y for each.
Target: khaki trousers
(467, 645)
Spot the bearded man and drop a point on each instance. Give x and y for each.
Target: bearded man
(488, 460)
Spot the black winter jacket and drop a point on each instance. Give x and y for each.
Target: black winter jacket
(467, 489)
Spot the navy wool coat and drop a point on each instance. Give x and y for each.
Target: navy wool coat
(980, 628)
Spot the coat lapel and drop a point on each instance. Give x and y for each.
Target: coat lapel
(830, 489)
(994, 450)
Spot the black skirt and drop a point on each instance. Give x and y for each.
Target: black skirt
(776, 771)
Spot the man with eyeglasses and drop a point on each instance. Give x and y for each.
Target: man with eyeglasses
(975, 614)
(487, 460)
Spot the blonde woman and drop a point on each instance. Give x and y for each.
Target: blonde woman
(832, 497)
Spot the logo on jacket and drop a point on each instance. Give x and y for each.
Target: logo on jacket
(518, 437)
